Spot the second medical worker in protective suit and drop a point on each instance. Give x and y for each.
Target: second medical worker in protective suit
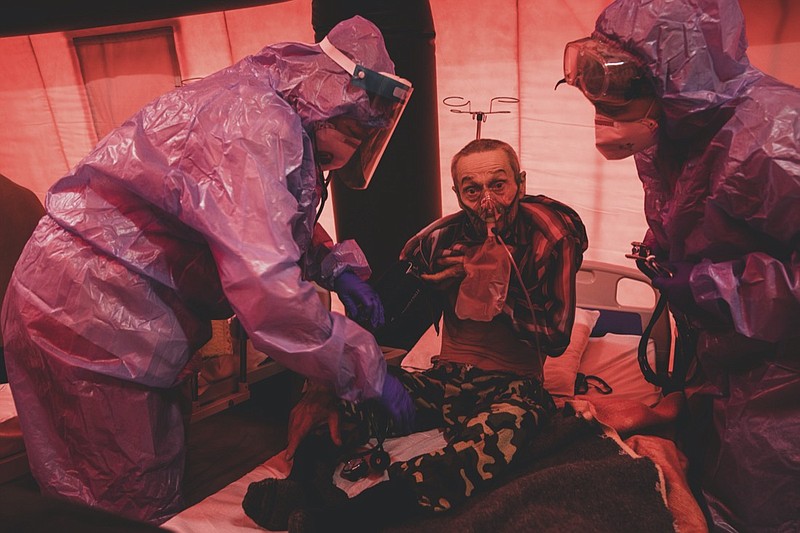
(201, 204)
(716, 146)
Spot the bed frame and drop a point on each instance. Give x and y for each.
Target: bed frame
(626, 301)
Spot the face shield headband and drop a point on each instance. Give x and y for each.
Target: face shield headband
(388, 96)
(604, 72)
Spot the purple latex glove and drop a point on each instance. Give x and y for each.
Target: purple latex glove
(677, 288)
(396, 400)
(361, 302)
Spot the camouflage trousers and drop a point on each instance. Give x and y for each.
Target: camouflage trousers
(488, 420)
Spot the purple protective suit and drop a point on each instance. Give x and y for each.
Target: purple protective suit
(201, 204)
(722, 191)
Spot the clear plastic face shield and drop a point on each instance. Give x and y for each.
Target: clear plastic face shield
(605, 73)
(389, 96)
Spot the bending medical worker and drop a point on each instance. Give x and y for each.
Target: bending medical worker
(202, 204)
(716, 146)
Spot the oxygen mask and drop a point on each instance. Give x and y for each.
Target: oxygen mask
(483, 291)
(487, 210)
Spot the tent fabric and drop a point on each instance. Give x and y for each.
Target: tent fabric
(483, 50)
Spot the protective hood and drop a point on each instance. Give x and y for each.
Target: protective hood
(694, 50)
(318, 88)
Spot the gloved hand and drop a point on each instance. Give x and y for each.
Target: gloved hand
(677, 288)
(361, 302)
(396, 400)
(653, 258)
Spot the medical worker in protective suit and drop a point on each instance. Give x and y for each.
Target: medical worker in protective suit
(201, 204)
(716, 147)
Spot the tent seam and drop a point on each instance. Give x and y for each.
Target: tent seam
(49, 102)
(228, 36)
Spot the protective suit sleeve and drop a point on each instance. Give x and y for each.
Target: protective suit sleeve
(324, 261)
(281, 312)
(758, 291)
(760, 294)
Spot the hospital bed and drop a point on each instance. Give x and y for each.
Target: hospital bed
(615, 304)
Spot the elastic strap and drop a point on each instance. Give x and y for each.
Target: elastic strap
(337, 56)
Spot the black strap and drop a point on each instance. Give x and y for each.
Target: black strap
(684, 351)
(583, 382)
(663, 381)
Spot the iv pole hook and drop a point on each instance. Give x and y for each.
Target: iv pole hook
(479, 116)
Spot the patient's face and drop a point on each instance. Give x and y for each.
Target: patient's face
(488, 172)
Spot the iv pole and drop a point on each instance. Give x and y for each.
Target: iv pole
(479, 116)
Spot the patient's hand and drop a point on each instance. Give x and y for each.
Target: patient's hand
(450, 270)
(316, 407)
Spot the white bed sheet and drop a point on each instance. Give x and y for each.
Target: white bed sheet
(613, 358)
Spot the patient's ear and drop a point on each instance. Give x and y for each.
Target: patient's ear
(521, 192)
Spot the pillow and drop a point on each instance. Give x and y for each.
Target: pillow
(560, 372)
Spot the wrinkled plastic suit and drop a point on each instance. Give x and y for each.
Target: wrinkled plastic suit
(722, 190)
(202, 203)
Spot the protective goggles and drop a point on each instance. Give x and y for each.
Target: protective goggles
(604, 72)
(389, 96)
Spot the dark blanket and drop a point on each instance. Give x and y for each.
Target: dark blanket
(580, 480)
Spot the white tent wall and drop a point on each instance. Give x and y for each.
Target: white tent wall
(45, 112)
(483, 50)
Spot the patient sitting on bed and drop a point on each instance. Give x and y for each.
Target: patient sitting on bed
(504, 268)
